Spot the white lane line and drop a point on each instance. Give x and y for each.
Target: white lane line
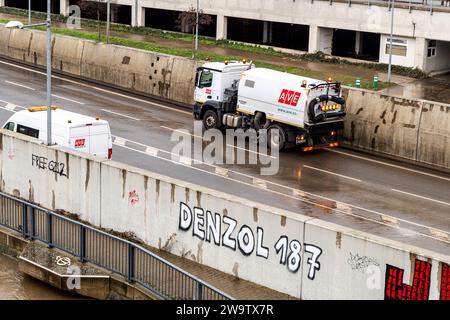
(421, 197)
(388, 164)
(64, 98)
(221, 171)
(119, 141)
(185, 132)
(332, 173)
(99, 89)
(121, 115)
(20, 85)
(389, 219)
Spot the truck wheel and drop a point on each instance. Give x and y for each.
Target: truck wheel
(276, 137)
(210, 120)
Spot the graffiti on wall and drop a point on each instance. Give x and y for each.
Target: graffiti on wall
(224, 231)
(396, 289)
(361, 263)
(45, 164)
(133, 197)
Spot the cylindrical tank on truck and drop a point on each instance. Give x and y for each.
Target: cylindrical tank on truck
(301, 110)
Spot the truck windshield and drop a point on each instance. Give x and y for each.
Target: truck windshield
(206, 79)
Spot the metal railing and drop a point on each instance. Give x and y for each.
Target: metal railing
(427, 5)
(120, 256)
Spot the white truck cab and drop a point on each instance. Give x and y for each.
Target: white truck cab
(214, 77)
(69, 129)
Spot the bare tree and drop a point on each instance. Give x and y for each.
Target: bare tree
(90, 9)
(187, 20)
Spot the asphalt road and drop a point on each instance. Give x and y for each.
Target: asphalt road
(387, 198)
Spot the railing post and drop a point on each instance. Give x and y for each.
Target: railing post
(24, 220)
(199, 293)
(82, 243)
(49, 229)
(130, 262)
(33, 223)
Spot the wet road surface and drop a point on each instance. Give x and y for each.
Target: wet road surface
(434, 89)
(379, 196)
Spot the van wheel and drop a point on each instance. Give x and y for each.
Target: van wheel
(276, 137)
(210, 120)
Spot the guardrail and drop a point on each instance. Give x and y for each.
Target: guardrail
(428, 5)
(120, 256)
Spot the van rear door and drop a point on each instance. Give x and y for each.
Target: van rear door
(100, 139)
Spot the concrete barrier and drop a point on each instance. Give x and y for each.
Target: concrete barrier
(434, 135)
(159, 75)
(411, 129)
(286, 251)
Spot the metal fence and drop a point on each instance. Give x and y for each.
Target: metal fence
(120, 256)
(428, 5)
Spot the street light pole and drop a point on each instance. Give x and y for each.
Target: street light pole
(49, 74)
(108, 18)
(196, 26)
(29, 11)
(390, 42)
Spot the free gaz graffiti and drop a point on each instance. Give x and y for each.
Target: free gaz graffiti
(45, 164)
(227, 232)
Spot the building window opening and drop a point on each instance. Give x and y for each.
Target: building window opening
(399, 47)
(431, 49)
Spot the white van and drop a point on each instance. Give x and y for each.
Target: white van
(69, 129)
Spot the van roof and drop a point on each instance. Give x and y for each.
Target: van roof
(59, 116)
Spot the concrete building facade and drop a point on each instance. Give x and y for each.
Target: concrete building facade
(353, 28)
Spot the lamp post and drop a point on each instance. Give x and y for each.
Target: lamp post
(29, 11)
(390, 42)
(49, 74)
(196, 25)
(108, 19)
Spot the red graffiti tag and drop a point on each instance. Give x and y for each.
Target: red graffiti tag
(395, 289)
(133, 197)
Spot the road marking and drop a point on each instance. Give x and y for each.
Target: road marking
(222, 171)
(260, 183)
(185, 160)
(390, 220)
(99, 89)
(20, 85)
(388, 164)
(74, 101)
(121, 115)
(151, 151)
(329, 172)
(421, 197)
(119, 141)
(185, 132)
(438, 233)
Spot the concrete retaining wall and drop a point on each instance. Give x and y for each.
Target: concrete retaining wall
(286, 251)
(159, 75)
(415, 130)
(406, 128)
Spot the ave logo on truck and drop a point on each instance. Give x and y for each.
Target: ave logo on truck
(289, 97)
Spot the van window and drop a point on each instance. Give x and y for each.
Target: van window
(28, 131)
(9, 126)
(206, 79)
